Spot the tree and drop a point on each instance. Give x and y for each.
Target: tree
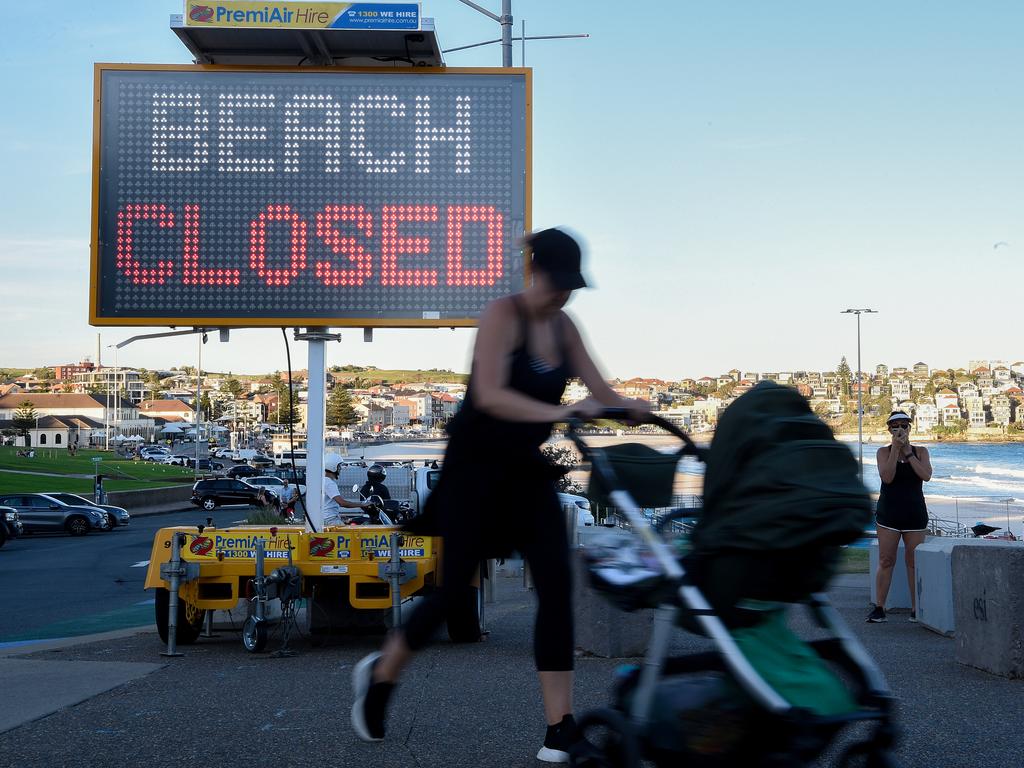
(206, 406)
(46, 374)
(283, 414)
(845, 376)
(25, 418)
(340, 411)
(234, 386)
(566, 459)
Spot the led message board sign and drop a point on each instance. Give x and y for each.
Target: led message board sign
(241, 196)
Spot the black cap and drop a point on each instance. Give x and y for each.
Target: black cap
(557, 255)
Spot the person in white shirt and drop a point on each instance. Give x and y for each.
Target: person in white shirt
(333, 501)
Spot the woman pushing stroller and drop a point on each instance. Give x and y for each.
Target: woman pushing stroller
(526, 349)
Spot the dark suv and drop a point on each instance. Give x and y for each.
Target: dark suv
(210, 494)
(243, 470)
(10, 524)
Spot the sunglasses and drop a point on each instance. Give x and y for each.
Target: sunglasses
(901, 425)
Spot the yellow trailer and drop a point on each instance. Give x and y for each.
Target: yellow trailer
(344, 572)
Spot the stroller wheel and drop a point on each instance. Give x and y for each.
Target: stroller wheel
(612, 740)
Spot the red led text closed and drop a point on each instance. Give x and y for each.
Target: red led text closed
(347, 231)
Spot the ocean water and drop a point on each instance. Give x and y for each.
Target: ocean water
(959, 469)
(964, 469)
(971, 482)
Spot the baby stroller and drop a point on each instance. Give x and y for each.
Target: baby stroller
(763, 697)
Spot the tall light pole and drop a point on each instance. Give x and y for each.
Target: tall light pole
(505, 20)
(860, 389)
(117, 411)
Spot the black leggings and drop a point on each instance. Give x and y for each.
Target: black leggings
(538, 531)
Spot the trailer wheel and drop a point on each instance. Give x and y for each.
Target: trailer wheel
(190, 618)
(464, 617)
(254, 634)
(77, 525)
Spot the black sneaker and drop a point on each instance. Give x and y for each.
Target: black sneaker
(371, 700)
(877, 615)
(562, 739)
(913, 617)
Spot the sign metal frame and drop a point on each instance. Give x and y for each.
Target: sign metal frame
(96, 319)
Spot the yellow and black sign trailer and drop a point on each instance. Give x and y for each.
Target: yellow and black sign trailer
(342, 571)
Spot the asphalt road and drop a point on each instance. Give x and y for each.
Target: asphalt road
(57, 585)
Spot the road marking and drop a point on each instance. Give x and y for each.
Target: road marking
(141, 564)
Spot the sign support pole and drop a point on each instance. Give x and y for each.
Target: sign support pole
(316, 421)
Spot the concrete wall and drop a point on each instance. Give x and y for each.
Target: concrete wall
(934, 577)
(150, 497)
(988, 594)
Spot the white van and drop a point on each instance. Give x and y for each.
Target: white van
(283, 457)
(584, 517)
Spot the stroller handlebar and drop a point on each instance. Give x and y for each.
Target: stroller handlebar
(623, 414)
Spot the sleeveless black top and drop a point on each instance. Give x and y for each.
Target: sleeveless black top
(901, 504)
(529, 375)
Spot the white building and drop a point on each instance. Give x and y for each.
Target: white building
(927, 417)
(111, 380)
(900, 388)
(975, 407)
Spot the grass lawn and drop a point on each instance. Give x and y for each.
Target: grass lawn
(57, 461)
(854, 560)
(17, 483)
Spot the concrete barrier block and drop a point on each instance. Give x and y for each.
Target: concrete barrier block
(934, 581)
(601, 628)
(988, 594)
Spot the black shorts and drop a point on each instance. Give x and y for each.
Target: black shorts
(902, 520)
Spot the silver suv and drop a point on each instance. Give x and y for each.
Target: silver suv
(44, 513)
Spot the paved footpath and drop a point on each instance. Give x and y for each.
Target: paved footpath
(470, 706)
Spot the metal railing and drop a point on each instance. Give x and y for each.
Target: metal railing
(605, 515)
(969, 509)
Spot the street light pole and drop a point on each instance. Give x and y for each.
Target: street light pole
(860, 390)
(505, 20)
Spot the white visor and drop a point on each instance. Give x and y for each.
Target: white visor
(898, 416)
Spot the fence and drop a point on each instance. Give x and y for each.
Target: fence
(955, 516)
(610, 515)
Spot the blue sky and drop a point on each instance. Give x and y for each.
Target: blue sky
(740, 172)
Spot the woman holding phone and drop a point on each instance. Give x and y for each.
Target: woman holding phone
(901, 511)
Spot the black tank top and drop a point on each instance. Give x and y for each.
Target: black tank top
(904, 494)
(528, 375)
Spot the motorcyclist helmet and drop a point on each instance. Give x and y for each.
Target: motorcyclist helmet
(376, 473)
(332, 461)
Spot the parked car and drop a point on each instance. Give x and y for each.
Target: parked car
(153, 453)
(221, 491)
(273, 484)
(205, 465)
(10, 524)
(177, 459)
(116, 516)
(242, 470)
(584, 516)
(42, 513)
(261, 462)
